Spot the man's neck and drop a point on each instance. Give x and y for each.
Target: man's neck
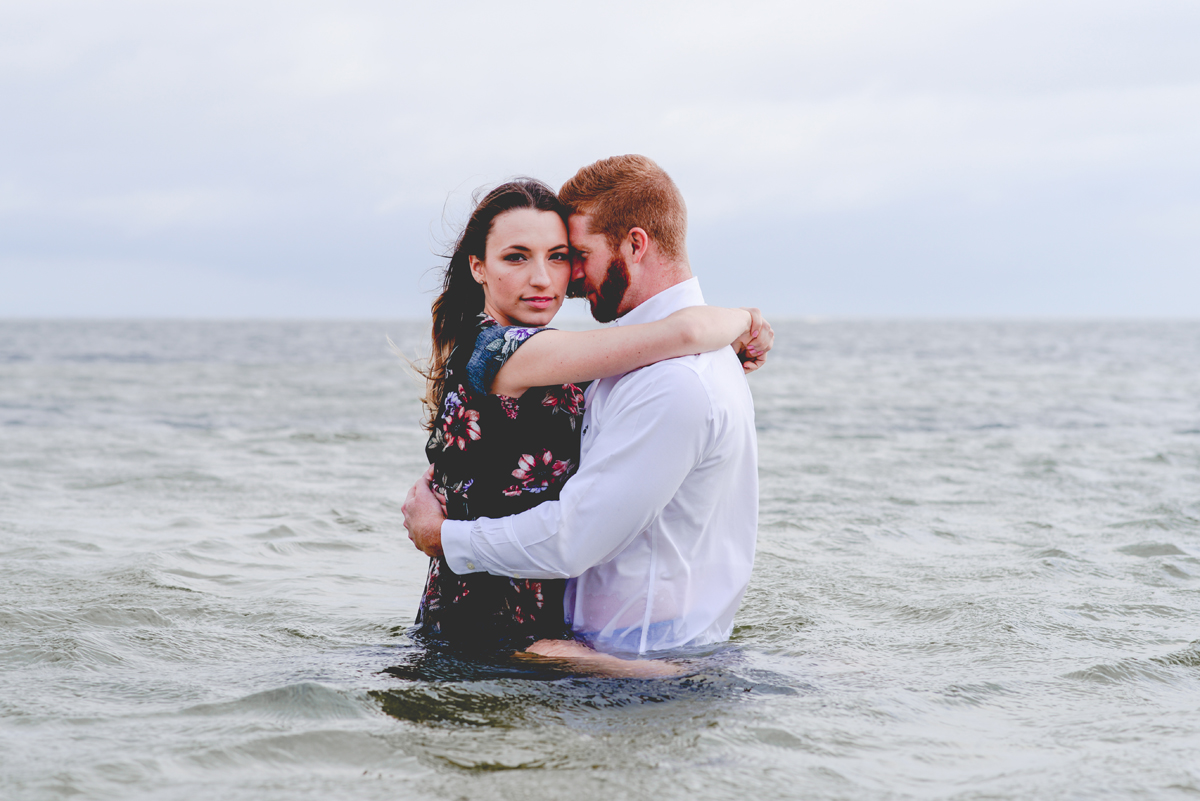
(657, 278)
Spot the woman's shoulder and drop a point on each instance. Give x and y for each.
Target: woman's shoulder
(494, 344)
(501, 341)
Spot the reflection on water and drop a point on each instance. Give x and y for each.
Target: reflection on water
(976, 578)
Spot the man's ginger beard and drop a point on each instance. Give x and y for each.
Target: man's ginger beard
(609, 294)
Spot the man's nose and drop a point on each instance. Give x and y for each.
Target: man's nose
(576, 269)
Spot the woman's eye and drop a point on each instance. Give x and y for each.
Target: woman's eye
(558, 256)
(515, 257)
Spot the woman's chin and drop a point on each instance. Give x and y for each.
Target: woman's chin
(539, 322)
(535, 318)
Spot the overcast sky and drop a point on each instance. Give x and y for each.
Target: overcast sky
(301, 159)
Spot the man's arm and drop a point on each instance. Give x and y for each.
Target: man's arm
(656, 429)
(424, 512)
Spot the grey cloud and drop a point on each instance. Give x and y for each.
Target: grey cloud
(297, 151)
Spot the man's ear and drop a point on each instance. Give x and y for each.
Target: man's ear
(476, 268)
(639, 242)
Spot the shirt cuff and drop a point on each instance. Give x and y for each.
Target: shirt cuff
(456, 546)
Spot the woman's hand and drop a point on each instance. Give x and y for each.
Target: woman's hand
(752, 346)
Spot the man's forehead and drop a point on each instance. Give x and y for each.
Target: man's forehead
(580, 224)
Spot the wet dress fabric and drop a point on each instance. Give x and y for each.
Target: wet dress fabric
(495, 456)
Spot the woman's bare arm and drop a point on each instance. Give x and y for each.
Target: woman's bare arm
(562, 357)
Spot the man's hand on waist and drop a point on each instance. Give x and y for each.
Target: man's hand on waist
(423, 516)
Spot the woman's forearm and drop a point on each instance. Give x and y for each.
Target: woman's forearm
(562, 357)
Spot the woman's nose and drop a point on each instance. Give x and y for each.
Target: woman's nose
(539, 275)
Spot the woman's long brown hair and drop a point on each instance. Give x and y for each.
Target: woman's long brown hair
(457, 308)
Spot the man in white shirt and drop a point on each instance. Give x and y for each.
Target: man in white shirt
(656, 531)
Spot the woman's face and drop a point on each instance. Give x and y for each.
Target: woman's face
(526, 267)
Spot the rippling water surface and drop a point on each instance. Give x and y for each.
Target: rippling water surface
(978, 577)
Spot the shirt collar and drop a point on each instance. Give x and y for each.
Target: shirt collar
(672, 299)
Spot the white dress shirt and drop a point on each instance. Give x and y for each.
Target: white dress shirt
(657, 529)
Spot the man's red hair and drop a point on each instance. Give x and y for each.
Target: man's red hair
(625, 192)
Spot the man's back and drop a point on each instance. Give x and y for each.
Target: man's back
(683, 427)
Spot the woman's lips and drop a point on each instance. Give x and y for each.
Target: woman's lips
(539, 302)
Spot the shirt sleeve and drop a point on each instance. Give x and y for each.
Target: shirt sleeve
(656, 432)
(493, 347)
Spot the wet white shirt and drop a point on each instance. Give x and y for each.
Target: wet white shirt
(657, 529)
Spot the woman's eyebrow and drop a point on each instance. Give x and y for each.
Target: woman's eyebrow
(518, 247)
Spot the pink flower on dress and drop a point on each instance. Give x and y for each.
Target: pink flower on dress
(536, 472)
(566, 398)
(510, 406)
(459, 425)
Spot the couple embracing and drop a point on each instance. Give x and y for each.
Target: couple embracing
(575, 519)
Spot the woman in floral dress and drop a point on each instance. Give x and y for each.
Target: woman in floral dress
(506, 405)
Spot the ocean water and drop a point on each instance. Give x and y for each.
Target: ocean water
(978, 577)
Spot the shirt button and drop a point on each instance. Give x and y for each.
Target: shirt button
(470, 565)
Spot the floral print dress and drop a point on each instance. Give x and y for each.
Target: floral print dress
(495, 456)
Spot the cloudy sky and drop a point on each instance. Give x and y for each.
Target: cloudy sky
(310, 159)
